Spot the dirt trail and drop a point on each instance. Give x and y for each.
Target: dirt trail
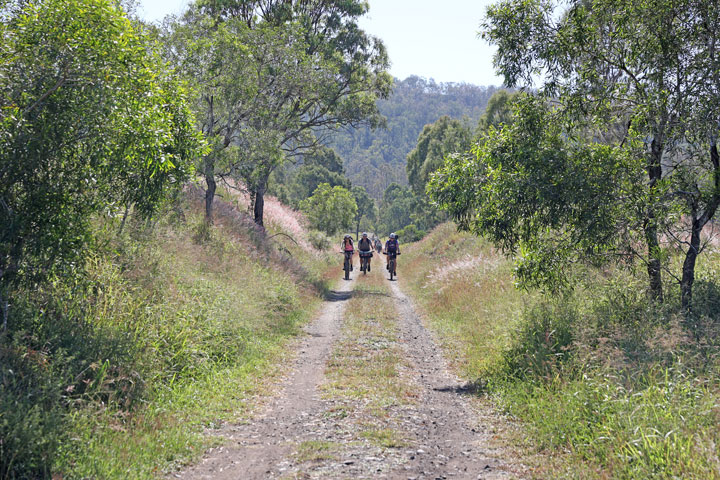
(306, 431)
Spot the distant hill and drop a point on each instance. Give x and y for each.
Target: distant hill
(374, 159)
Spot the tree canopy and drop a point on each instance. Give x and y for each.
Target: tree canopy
(376, 158)
(303, 68)
(330, 209)
(365, 208)
(93, 122)
(631, 86)
(444, 136)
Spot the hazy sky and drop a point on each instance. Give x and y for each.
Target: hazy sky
(430, 38)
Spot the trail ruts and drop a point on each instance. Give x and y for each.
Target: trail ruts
(444, 438)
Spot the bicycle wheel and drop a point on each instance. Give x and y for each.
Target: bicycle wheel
(346, 267)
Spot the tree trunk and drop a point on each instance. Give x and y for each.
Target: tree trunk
(211, 187)
(654, 170)
(209, 167)
(259, 207)
(5, 308)
(688, 271)
(654, 267)
(125, 215)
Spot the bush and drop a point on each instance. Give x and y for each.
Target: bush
(411, 233)
(543, 342)
(617, 380)
(55, 359)
(318, 240)
(123, 361)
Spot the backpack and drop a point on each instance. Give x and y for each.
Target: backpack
(364, 244)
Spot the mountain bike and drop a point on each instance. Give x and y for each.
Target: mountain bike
(392, 262)
(347, 265)
(365, 261)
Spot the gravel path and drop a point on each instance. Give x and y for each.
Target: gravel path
(444, 439)
(454, 443)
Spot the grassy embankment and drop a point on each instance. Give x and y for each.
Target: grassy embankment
(599, 378)
(173, 330)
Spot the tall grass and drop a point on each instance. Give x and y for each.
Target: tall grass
(119, 372)
(598, 377)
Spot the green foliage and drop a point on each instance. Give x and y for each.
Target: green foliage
(119, 373)
(330, 209)
(292, 184)
(605, 382)
(272, 73)
(308, 177)
(536, 193)
(640, 77)
(542, 342)
(93, 122)
(365, 207)
(614, 379)
(374, 159)
(498, 111)
(436, 140)
(400, 207)
(410, 233)
(396, 208)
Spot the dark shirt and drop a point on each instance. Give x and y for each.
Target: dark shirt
(392, 245)
(365, 244)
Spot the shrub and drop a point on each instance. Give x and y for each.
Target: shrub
(543, 341)
(318, 240)
(411, 233)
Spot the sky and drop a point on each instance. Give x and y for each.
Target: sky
(429, 38)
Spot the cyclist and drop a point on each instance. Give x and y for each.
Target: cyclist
(392, 247)
(348, 248)
(365, 248)
(378, 245)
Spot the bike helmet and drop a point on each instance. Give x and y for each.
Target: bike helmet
(347, 236)
(364, 234)
(392, 235)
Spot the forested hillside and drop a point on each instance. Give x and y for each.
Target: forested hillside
(376, 158)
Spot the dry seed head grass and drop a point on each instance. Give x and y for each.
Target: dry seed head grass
(277, 216)
(465, 269)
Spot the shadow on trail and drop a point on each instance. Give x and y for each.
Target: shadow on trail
(469, 388)
(365, 293)
(335, 296)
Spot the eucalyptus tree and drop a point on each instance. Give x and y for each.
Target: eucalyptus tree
(446, 135)
(290, 72)
(330, 209)
(365, 208)
(639, 77)
(498, 111)
(320, 166)
(92, 121)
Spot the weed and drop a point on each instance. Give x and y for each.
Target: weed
(315, 451)
(384, 437)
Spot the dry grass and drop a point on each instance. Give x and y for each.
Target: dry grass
(467, 292)
(213, 317)
(606, 384)
(366, 370)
